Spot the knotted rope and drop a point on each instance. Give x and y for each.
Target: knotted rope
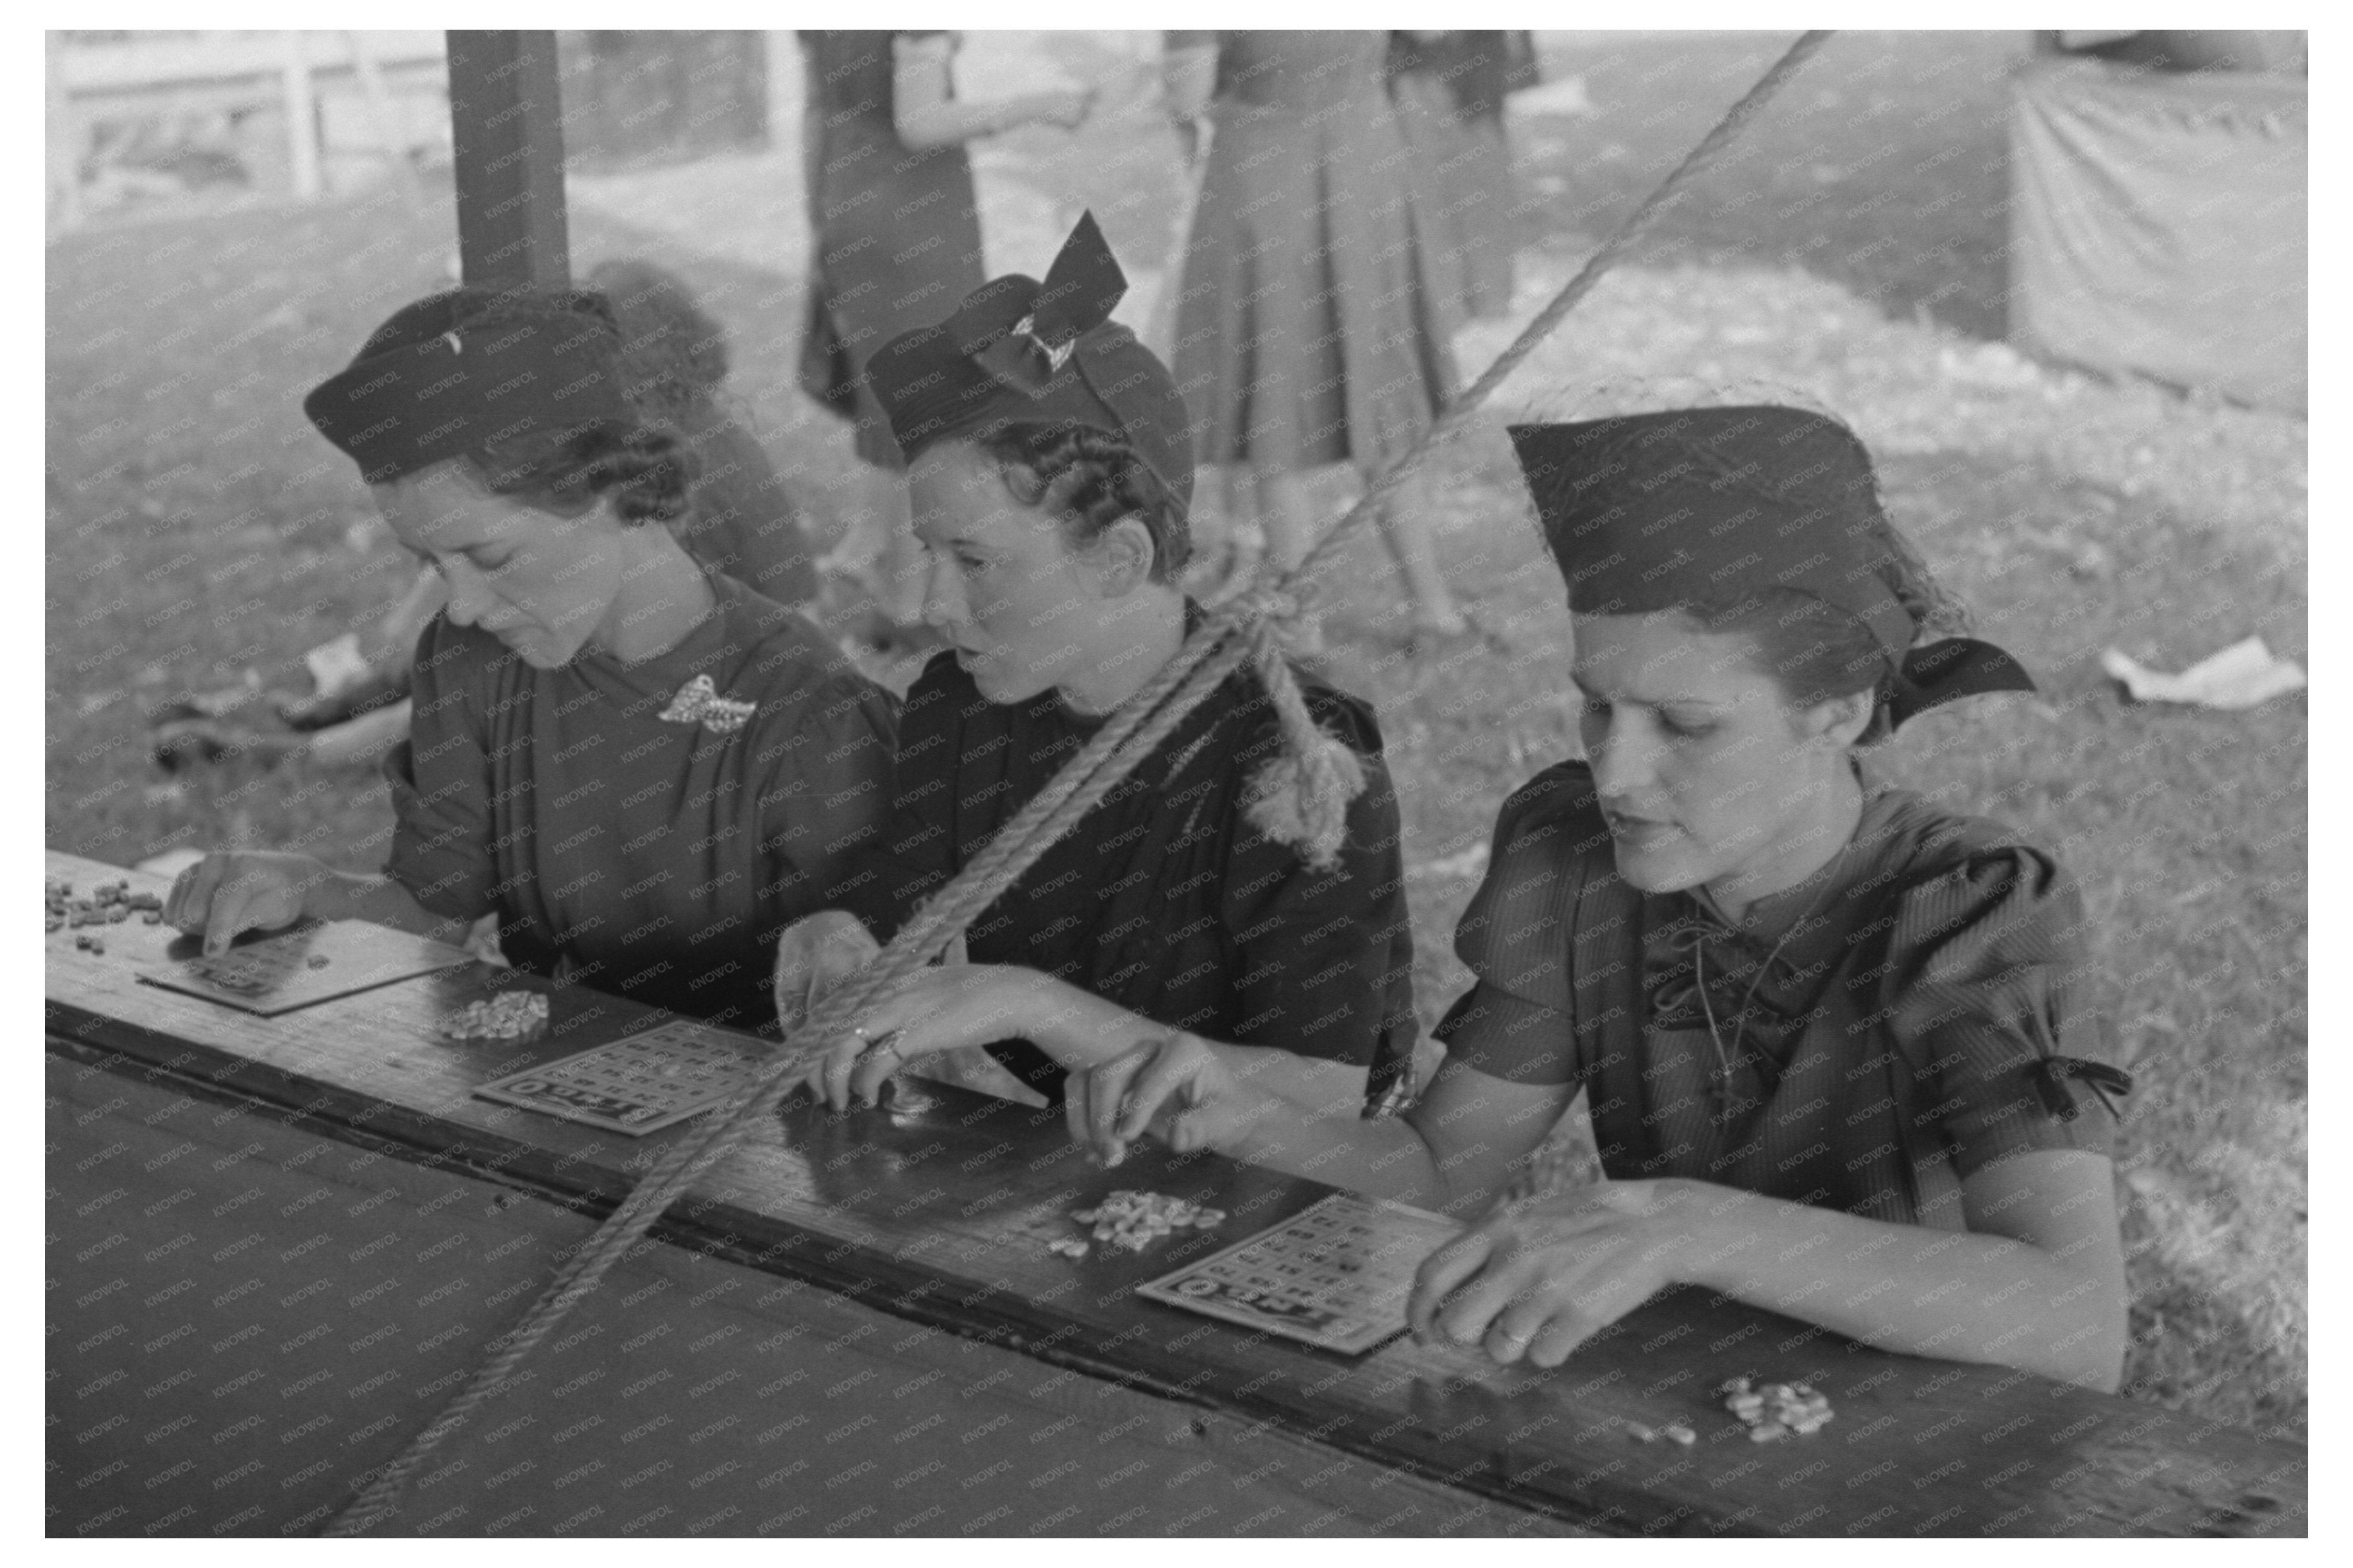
(1240, 628)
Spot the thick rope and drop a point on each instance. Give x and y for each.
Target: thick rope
(1301, 798)
(1214, 652)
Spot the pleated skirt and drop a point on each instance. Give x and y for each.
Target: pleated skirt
(1310, 329)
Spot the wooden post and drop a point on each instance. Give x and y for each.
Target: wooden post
(302, 118)
(507, 145)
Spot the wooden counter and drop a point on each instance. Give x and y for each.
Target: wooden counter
(924, 1222)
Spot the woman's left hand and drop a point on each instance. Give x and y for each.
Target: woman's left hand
(936, 1010)
(1540, 1279)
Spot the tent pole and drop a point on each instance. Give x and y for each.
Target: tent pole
(506, 131)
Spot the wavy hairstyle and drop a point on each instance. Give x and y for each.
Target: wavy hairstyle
(1090, 479)
(1815, 651)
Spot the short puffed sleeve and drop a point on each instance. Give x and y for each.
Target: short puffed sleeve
(1984, 992)
(1517, 934)
(439, 777)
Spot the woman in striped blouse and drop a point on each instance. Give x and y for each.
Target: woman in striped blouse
(1825, 1026)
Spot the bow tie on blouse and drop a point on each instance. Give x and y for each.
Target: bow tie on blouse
(699, 702)
(1672, 967)
(1775, 1008)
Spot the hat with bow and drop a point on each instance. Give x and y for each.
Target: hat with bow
(1019, 352)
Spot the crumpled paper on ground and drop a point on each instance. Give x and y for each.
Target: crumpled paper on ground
(2240, 676)
(337, 666)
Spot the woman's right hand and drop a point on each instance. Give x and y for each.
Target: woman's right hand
(1068, 110)
(234, 890)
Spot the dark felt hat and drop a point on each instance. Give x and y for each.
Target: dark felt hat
(455, 373)
(1019, 352)
(1647, 513)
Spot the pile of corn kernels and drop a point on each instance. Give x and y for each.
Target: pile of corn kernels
(1777, 1409)
(509, 1016)
(109, 904)
(1136, 1220)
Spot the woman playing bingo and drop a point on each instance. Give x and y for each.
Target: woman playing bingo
(1831, 1033)
(644, 769)
(1049, 468)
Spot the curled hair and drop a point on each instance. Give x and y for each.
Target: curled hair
(645, 470)
(1815, 651)
(673, 356)
(1090, 480)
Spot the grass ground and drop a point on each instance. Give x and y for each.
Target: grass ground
(197, 530)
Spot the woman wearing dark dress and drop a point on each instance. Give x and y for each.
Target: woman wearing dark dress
(1835, 1036)
(643, 769)
(896, 240)
(739, 521)
(1310, 331)
(1050, 472)
(1449, 88)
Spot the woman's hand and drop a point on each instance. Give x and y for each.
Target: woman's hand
(935, 1010)
(1174, 1084)
(814, 955)
(234, 890)
(1540, 1279)
(1066, 109)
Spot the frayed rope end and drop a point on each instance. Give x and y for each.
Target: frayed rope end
(1302, 797)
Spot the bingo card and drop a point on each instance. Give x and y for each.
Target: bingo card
(305, 966)
(1335, 1275)
(643, 1082)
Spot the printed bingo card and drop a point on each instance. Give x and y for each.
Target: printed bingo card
(1335, 1275)
(305, 966)
(643, 1082)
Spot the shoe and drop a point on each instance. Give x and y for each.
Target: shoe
(325, 711)
(1444, 643)
(218, 704)
(1427, 642)
(188, 743)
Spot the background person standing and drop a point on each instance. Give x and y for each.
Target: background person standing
(1449, 88)
(1309, 332)
(896, 244)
